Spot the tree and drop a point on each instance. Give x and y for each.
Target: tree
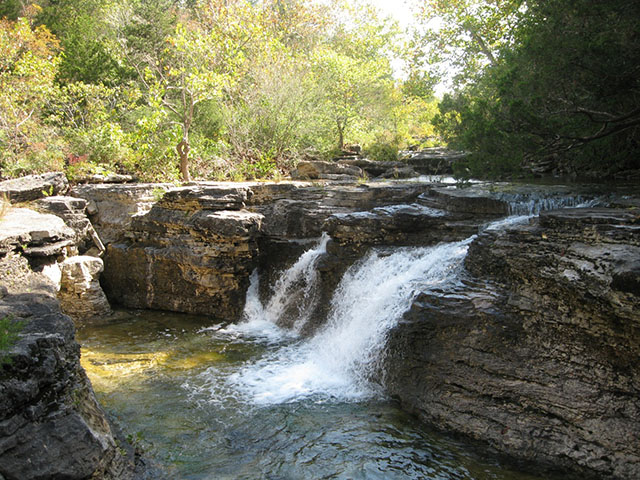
(576, 110)
(196, 65)
(86, 38)
(28, 64)
(354, 73)
(464, 36)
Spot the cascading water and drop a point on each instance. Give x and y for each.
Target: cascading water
(293, 298)
(532, 204)
(256, 400)
(337, 361)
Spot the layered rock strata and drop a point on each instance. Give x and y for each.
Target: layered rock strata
(192, 252)
(51, 425)
(538, 354)
(33, 187)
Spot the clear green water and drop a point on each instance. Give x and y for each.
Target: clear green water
(164, 378)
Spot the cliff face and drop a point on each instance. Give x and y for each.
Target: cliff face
(51, 425)
(192, 252)
(195, 249)
(539, 353)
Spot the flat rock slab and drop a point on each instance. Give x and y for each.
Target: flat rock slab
(33, 187)
(326, 170)
(24, 228)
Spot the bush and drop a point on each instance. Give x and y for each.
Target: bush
(382, 152)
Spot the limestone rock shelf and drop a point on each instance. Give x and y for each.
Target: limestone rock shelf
(539, 354)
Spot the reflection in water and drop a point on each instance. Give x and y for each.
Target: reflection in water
(149, 370)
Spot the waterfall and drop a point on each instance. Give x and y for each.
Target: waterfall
(533, 204)
(291, 303)
(294, 294)
(337, 361)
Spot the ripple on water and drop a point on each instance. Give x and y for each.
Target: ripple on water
(191, 420)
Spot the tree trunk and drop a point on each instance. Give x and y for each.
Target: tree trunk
(340, 134)
(183, 152)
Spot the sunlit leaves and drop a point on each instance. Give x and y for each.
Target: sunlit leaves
(28, 64)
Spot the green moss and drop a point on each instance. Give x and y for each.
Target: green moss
(9, 331)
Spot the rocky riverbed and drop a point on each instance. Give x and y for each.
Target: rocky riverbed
(534, 351)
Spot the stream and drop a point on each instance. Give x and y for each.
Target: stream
(256, 400)
(153, 372)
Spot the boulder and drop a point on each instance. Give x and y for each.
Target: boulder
(81, 296)
(400, 172)
(104, 178)
(33, 187)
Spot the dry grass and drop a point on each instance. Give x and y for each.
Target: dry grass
(5, 205)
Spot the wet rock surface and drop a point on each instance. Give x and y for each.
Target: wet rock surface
(537, 355)
(195, 249)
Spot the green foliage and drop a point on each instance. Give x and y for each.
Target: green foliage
(9, 333)
(89, 53)
(28, 63)
(166, 89)
(382, 152)
(575, 111)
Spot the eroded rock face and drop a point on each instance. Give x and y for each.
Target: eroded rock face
(81, 296)
(111, 207)
(187, 254)
(72, 211)
(51, 425)
(539, 355)
(42, 238)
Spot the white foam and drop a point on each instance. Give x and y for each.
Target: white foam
(337, 362)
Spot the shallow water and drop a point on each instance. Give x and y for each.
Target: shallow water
(169, 380)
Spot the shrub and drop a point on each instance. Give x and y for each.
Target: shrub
(9, 331)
